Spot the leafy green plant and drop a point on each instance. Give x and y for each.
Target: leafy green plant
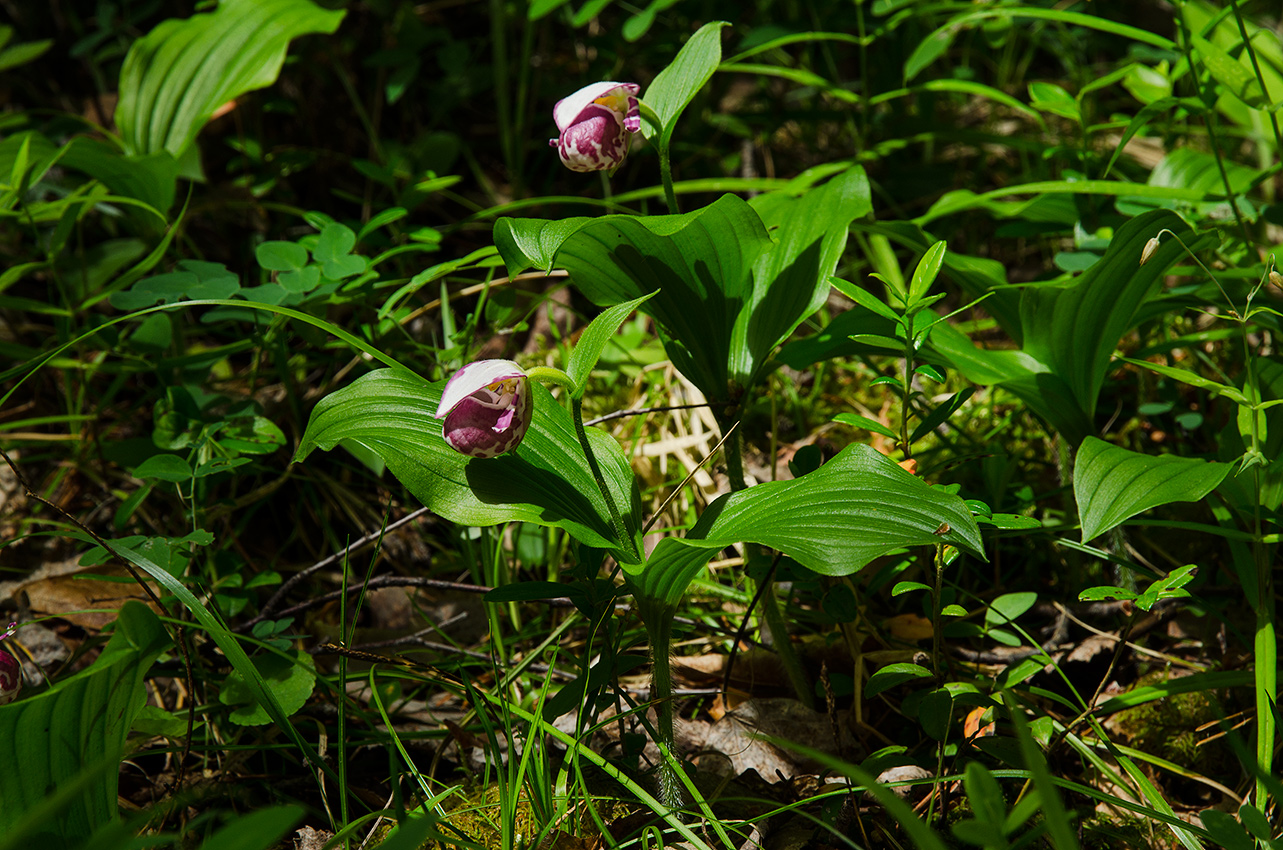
(72, 735)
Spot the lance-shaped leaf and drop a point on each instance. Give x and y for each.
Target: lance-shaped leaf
(583, 359)
(176, 76)
(545, 480)
(675, 86)
(1113, 484)
(835, 520)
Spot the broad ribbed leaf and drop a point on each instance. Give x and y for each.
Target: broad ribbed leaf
(1113, 484)
(533, 243)
(1070, 332)
(176, 76)
(859, 505)
(1074, 330)
(1045, 393)
(546, 480)
(46, 740)
(791, 280)
(700, 264)
(726, 295)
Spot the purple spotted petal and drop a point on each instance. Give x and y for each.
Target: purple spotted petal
(594, 125)
(487, 408)
(598, 142)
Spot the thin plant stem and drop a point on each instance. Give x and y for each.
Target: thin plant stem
(779, 632)
(1210, 123)
(907, 389)
(938, 607)
(606, 193)
(1265, 639)
(1260, 78)
(666, 176)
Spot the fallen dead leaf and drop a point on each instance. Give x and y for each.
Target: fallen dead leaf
(910, 627)
(972, 728)
(62, 590)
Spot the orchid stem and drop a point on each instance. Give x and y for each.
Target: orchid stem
(666, 175)
(657, 135)
(937, 603)
(661, 638)
(625, 539)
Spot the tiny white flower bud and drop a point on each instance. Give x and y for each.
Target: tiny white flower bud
(1150, 247)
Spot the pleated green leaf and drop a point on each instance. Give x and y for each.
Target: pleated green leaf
(726, 293)
(46, 740)
(176, 77)
(546, 480)
(1113, 484)
(1069, 332)
(858, 506)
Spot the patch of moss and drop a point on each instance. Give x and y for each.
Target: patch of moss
(1120, 832)
(1167, 727)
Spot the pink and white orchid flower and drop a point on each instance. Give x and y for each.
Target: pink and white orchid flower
(595, 124)
(487, 408)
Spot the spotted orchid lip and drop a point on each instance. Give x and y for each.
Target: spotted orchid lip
(10, 677)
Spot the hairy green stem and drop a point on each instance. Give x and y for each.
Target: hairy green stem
(625, 539)
(668, 785)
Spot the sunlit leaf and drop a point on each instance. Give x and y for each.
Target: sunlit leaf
(176, 77)
(859, 505)
(545, 480)
(1113, 484)
(675, 86)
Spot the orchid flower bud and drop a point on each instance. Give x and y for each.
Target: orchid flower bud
(595, 124)
(10, 677)
(487, 408)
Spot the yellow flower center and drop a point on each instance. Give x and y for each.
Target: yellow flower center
(506, 389)
(615, 102)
